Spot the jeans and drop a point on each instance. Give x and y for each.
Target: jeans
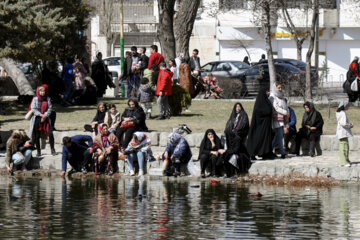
(68, 93)
(18, 159)
(163, 105)
(147, 107)
(278, 140)
(133, 85)
(133, 156)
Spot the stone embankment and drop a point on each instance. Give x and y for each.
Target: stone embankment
(326, 165)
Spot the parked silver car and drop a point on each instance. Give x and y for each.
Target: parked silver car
(224, 68)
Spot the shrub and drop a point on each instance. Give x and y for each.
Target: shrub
(179, 99)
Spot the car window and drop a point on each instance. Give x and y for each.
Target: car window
(253, 71)
(222, 67)
(112, 61)
(240, 65)
(208, 67)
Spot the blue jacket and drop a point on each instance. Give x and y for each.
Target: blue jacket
(68, 73)
(180, 150)
(78, 147)
(292, 120)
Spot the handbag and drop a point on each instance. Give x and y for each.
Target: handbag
(29, 115)
(354, 86)
(127, 124)
(278, 116)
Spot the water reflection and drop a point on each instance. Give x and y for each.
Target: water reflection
(177, 209)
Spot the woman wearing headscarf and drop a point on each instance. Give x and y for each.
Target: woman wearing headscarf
(132, 120)
(105, 148)
(138, 149)
(209, 147)
(280, 110)
(185, 76)
(311, 129)
(238, 122)
(40, 124)
(343, 132)
(176, 152)
(260, 139)
(235, 156)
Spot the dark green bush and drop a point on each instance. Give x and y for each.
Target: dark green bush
(179, 99)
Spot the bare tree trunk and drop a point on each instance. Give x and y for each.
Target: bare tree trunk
(265, 22)
(315, 15)
(292, 29)
(17, 76)
(165, 32)
(184, 23)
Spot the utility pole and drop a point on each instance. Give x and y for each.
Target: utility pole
(317, 42)
(123, 88)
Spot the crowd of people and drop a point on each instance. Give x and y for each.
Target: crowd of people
(272, 128)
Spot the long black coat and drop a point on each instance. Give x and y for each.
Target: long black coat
(260, 139)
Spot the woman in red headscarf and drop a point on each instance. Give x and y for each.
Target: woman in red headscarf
(105, 148)
(40, 124)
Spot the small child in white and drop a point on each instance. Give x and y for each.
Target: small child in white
(343, 132)
(112, 118)
(145, 96)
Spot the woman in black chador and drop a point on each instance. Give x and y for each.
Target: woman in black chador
(238, 122)
(209, 147)
(235, 158)
(260, 139)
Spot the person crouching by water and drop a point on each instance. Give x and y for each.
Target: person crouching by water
(138, 149)
(343, 132)
(311, 129)
(77, 150)
(18, 151)
(105, 148)
(40, 124)
(208, 154)
(176, 153)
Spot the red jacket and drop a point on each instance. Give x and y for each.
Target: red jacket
(155, 58)
(164, 82)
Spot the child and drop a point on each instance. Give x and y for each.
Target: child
(343, 132)
(211, 86)
(112, 118)
(145, 97)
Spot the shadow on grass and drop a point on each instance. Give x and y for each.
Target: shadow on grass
(190, 115)
(12, 120)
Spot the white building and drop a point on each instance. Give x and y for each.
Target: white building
(232, 35)
(222, 34)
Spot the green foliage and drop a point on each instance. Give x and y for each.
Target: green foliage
(28, 28)
(33, 30)
(179, 99)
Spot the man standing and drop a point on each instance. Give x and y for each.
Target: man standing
(134, 78)
(98, 74)
(163, 90)
(155, 57)
(195, 61)
(77, 152)
(144, 60)
(68, 76)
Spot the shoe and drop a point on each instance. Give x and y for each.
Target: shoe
(203, 175)
(283, 156)
(160, 117)
(148, 115)
(347, 165)
(176, 174)
(141, 173)
(71, 172)
(53, 152)
(187, 110)
(83, 170)
(132, 173)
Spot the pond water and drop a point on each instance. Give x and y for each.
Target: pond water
(173, 209)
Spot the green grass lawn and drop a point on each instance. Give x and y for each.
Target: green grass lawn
(204, 114)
